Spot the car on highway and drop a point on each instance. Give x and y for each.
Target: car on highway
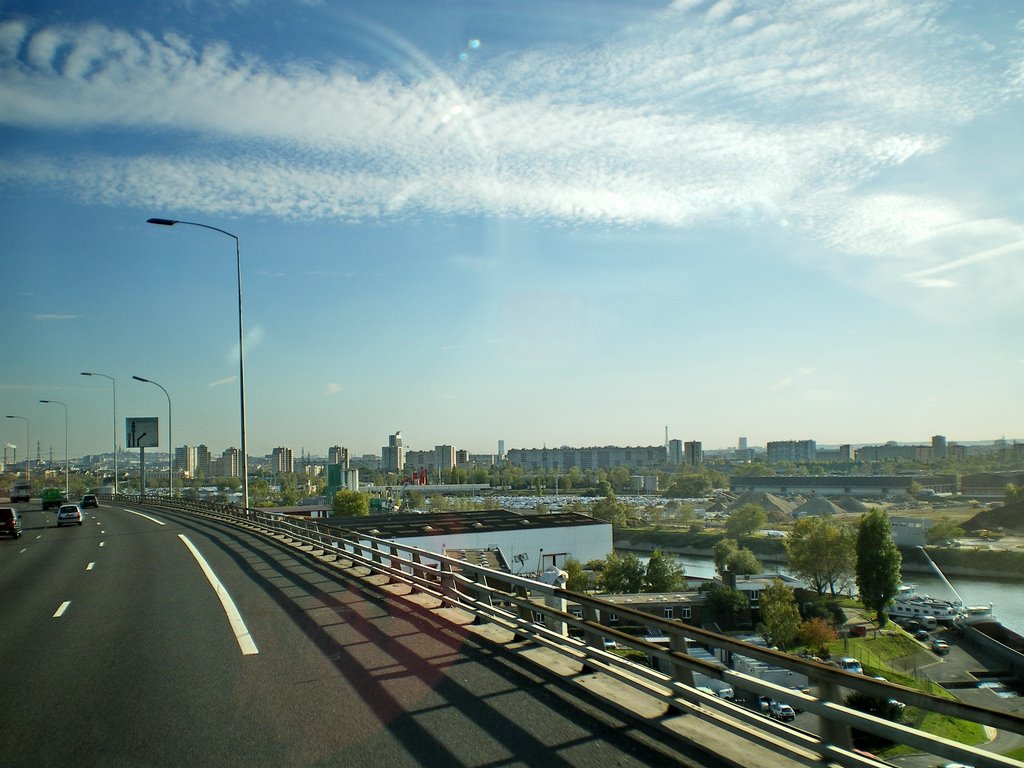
(851, 665)
(781, 712)
(922, 635)
(10, 522)
(69, 514)
(940, 647)
(89, 500)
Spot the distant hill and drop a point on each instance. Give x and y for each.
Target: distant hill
(1009, 518)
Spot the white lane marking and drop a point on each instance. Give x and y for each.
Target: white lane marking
(242, 634)
(152, 519)
(102, 543)
(23, 551)
(90, 566)
(63, 607)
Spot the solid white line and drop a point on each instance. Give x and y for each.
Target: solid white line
(242, 635)
(90, 566)
(23, 551)
(152, 519)
(63, 607)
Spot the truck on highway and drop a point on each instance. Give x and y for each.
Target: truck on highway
(53, 497)
(21, 490)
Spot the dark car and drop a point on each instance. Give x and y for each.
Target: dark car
(10, 522)
(921, 634)
(89, 500)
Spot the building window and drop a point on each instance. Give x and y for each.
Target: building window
(667, 613)
(685, 610)
(577, 612)
(538, 617)
(613, 618)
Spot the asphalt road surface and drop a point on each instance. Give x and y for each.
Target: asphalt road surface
(145, 638)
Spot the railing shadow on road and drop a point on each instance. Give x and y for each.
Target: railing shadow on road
(347, 619)
(536, 613)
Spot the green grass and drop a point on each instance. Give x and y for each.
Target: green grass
(880, 656)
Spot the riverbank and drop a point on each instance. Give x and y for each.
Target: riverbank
(994, 564)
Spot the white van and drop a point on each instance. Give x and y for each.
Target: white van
(928, 622)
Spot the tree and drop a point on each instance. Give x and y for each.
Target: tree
(745, 520)
(944, 530)
(780, 617)
(743, 561)
(724, 603)
(816, 633)
(722, 551)
(622, 574)
(611, 510)
(822, 552)
(348, 503)
(579, 579)
(878, 563)
(689, 486)
(663, 573)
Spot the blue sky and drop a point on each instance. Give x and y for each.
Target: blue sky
(560, 223)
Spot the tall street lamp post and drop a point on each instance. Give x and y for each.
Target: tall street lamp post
(113, 384)
(170, 441)
(67, 483)
(28, 450)
(241, 345)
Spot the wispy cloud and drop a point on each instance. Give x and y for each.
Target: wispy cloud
(723, 113)
(55, 317)
(333, 389)
(221, 382)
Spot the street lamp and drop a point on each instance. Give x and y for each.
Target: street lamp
(114, 385)
(28, 450)
(67, 483)
(241, 357)
(170, 441)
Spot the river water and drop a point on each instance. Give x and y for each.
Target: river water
(1007, 597)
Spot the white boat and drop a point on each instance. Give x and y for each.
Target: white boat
(909, 605)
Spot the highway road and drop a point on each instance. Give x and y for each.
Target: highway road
(120, 648)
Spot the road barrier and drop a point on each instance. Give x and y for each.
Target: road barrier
(537, 612)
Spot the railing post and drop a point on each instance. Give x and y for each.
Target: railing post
(832, 732)
(558, 603)
(682, 673)
(449, 591)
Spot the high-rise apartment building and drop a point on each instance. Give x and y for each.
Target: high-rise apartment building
(445, 457)
(675, 452)
(939, 449)
(792, 450)
(228, 465)
(282, 460)
(202, 461)
(742, 444)
(392, 457)
(337, 455)
(185, 461)
(694, 453)
(501, 450)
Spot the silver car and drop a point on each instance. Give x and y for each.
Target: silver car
(68, 514)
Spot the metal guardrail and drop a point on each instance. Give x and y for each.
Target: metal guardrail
(537, 612)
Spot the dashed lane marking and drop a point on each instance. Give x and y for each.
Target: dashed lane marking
(62, 609)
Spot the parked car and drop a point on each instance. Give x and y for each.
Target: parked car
(858, 630)
(10, 522)
(69, 514)
(89, 500)
(921, 634)
(941, 647)
(782, 712)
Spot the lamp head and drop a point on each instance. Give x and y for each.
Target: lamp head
(162, 222)
(139, 378)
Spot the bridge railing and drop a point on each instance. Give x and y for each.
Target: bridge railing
(539, 612)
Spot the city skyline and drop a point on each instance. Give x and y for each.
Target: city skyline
(575, 224)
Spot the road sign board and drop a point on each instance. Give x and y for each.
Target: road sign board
(141, 432)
